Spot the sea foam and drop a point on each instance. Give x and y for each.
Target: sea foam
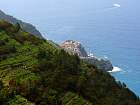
(115, 69)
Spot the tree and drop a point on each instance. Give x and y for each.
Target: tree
(17, 27)
(1, 84)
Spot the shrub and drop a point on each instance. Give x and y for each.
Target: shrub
(2, 43)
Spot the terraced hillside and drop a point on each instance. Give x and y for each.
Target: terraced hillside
(35, 72)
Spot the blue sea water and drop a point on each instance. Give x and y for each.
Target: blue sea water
(103, 28)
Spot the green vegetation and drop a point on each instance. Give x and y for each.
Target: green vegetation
(35, 72)
(18, 100)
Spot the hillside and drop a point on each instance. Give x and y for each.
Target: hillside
(25, 26)
(35, 72)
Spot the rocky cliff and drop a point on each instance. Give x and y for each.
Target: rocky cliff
(100, 63)
(25, 26)
(74, 47)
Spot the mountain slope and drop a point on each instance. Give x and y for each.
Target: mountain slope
(25, 26)
(34, 71)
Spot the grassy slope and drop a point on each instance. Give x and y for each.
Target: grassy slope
(36, 71)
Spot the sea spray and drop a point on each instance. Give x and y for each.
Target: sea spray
(115, 69)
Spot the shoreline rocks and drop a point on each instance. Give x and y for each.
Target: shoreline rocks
(100, 63)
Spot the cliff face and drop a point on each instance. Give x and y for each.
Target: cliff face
(74, 47)
(25, 26)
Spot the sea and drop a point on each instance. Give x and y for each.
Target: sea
(107, 28)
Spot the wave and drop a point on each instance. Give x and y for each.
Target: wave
(115, 69)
